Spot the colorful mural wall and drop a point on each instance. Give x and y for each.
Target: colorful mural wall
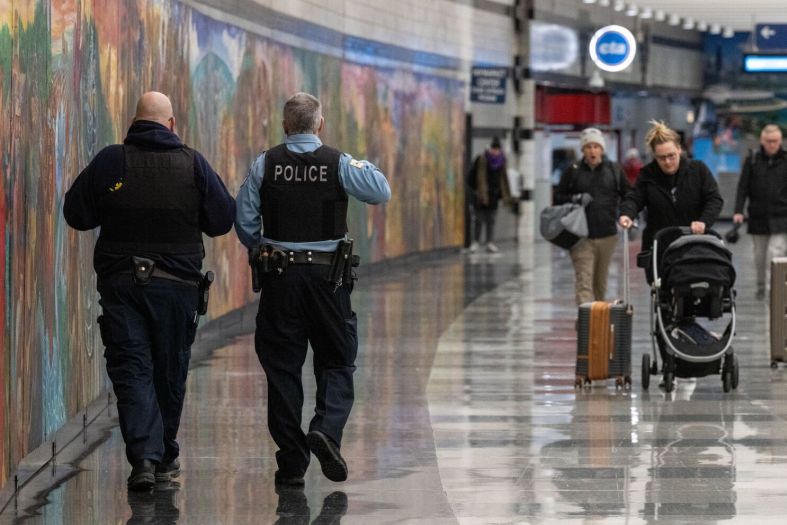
(70, 74)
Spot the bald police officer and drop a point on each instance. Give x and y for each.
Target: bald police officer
(292, 209)
(153, 198)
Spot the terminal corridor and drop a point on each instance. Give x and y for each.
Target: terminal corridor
(465, 413)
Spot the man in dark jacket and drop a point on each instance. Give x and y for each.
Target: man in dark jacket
(763, 183)
(599, 184)
(153, 197)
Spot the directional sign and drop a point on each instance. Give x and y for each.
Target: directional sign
(488, 84)
(771, 36)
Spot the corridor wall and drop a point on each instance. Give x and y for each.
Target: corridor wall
(70, 74)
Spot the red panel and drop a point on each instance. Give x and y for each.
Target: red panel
(578, 108)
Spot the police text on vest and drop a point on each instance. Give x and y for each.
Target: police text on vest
(301, 173)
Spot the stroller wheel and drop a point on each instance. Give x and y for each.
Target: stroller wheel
(646, 371)
(735, 372)
(726, 381)
(669, 382)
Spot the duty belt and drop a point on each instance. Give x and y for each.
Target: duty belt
(161, 274)
(309, 257)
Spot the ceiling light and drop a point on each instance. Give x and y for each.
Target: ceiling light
(660, 15)
(603, 2)
(702, 26)
(588, 1)
(728, 32)
(632, 10)
(619, 5)
(715, 29)
(674, 20)
(646, 13)
(688, 23)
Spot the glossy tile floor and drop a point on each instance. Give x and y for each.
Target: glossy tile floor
(466, 413)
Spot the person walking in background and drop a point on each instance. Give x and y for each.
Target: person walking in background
(599, 184)
(488, 180)
(763, 183)
(292, 208)
(675, 191)
(631, 166)
(153, 197)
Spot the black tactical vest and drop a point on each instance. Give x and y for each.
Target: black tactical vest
(301, 195)
(154, 208)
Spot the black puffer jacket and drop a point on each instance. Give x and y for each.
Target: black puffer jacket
(606, 183)
(691, 194)
(763, 183)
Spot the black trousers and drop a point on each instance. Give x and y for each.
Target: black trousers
(300, 307)
(148, 332)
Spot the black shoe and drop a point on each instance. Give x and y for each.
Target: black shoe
(283, 480)
(327, 452)
(143, 476)
(167, 471)
(293, 507)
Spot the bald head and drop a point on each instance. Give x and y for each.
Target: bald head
(156, 107)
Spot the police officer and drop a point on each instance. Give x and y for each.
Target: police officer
(153, 197)
(294, 202)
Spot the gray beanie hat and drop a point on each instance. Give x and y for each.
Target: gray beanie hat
(592, 136)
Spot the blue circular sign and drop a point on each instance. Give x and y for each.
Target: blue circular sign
(613, 48)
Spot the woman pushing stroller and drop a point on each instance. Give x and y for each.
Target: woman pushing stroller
(679, 192)
(675, 190)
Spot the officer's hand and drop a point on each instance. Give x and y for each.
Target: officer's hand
(625, 222)
(737, 218)
(697, 227)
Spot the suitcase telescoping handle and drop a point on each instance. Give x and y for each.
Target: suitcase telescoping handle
(626, 267)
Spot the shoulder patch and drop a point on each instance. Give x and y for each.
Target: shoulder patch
(357, 164)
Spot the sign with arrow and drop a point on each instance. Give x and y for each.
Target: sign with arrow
(771, 36)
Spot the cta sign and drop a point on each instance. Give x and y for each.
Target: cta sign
(613, 48)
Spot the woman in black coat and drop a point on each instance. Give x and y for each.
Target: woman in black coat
(675, 190)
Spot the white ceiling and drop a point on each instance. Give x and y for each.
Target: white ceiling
(740, 15)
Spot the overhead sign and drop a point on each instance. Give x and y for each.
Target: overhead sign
(771, 36)
(488, 84)
(753, 63)
(613, 48)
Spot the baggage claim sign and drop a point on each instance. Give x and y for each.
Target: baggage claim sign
(613, 48)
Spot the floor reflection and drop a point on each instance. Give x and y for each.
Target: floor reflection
(466, 413)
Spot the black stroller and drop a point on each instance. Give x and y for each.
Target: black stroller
(691, 277)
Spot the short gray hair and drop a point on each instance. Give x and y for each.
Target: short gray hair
(302, 114)
(771, 128)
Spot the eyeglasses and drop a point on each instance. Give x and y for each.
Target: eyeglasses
(668, 157)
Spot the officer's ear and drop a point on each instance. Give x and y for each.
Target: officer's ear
(284, 127)
(171, 121)
(319, 128)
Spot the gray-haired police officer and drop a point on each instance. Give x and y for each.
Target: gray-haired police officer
(298, 193)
